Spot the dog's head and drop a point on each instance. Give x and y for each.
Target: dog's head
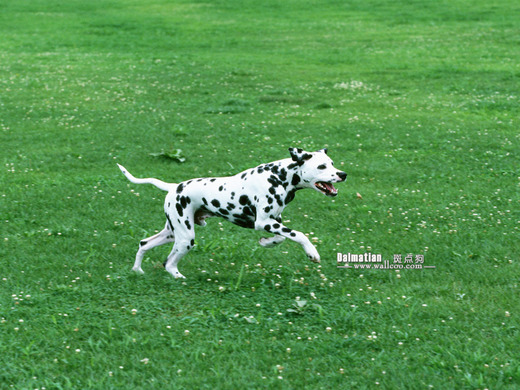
(317, 171)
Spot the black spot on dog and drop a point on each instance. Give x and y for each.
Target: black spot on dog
(286, 230)
(267, 228)
(295, 179)
(243, 200)
(248, 224)
(250, 210)
(322, 166)
(295, 164)
(267, 209)
(290, 196)
(192, 242)
(276, 225)
(243, 221)
(243, 176)
(190, 245)
(212, 180)
(143, 243)
(223, 211)
(169, 222)
(272, 190)
(204, 201)
(283, 175)
(230, 206)
(180, 188)
(274, 180)
(179, 209)
(293, 234)
(221, 188)
(184, 201)
(188, 225)
(215, 203)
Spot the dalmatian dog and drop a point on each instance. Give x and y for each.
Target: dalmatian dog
(254, 198)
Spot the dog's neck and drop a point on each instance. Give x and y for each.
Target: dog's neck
(285, 179)
(290, 173)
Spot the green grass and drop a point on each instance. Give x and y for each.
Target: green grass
(416, 100)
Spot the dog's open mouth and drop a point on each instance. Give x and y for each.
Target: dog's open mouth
(327, 188)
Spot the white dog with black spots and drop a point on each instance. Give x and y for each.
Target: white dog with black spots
(254, 198)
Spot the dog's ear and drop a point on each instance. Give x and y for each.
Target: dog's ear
(324, 150)
(299, 155)
(295, 153)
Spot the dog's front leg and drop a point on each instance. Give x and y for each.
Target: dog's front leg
(272, 226)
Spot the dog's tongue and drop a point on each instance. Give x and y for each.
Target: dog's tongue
(330, 188)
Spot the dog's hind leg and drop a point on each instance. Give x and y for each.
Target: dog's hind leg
(163, 237)
(184, 241)
(180, 249)
(271, 241)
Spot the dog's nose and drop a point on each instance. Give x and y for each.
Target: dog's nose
(342, 176)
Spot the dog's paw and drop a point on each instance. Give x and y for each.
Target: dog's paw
(271, 241)
(315, 259)
(266, 242)
(313, 255)
(175, 273)
(138, 270)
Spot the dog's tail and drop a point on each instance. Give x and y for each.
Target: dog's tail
(156, 182)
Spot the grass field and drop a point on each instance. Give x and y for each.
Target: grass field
(418, 101)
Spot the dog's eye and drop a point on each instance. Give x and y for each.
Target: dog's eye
(322, 166)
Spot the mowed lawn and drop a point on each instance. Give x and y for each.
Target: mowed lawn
(418, 101)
